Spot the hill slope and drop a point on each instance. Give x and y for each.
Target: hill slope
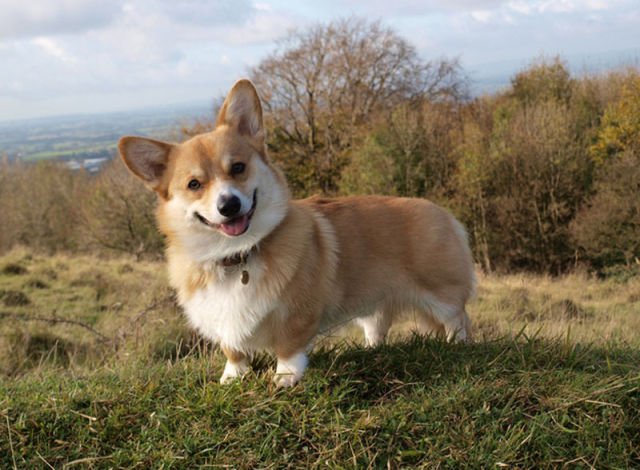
(100, 371)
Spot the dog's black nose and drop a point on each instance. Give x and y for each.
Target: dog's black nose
(229, 205)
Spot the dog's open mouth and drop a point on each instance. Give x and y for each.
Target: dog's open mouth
(236, 225)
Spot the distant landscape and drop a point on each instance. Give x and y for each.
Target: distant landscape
(87, 141)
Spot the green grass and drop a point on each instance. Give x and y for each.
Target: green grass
(519, 402)
(553, 380)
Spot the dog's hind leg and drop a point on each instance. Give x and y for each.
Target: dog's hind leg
(453, 318)
(375, 327)
(458, 328)
(427, 325)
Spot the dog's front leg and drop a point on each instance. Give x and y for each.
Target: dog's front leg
(292, 341)
(237, 365)
(290, 369)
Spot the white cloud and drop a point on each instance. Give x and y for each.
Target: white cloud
(519, 6)
(22, 18)
(52, 48)
(405, 8)
(415, 7)
(15, 86)
(162, 32)
(263, 26)
(482, 16)
(148, 45)
(464, 5)
(597, 5)
(513, 11)
(558, 6)
(209, 13)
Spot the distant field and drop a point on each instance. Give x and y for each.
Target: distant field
(91, 136)
(82, 152)
(100, 371)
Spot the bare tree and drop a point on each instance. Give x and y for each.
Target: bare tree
(324, 83)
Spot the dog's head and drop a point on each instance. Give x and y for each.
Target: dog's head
(219, 194)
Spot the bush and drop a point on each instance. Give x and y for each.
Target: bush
(118, 213)
(607, 229)
(520, 181)
(409, 154)
(620, 130)
(39, 206)
(543, 80)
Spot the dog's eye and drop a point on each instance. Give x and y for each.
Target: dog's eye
(194, 185)
(237, 168)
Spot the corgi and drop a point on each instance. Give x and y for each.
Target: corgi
(255, 270)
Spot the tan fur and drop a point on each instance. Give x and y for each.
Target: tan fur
(233, 355)
(328, 260)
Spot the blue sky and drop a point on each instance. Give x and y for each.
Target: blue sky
(90, 56)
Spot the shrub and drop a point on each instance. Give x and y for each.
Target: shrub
(543, 80)
(408, 154)
(118, 213)
(620, 130)
(607, 228)
(39, 206)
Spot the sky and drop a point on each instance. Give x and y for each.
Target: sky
(91, 56)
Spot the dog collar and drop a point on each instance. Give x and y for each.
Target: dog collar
(238, 259)
(234, 260)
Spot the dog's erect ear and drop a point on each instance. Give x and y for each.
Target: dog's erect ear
(146, 158)
(242, 110)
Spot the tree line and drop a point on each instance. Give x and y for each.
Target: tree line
(544, 174)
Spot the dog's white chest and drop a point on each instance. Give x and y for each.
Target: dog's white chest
(230, 312)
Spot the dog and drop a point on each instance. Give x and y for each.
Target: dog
(255, 270)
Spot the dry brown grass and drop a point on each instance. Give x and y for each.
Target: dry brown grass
(577, 306)
(80, 311)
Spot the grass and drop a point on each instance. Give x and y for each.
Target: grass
(553, 380)
(578, 305)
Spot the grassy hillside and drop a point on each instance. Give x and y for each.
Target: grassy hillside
(100, 371)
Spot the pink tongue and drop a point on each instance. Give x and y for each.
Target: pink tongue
(236, 226)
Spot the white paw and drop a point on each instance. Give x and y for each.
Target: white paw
(289, 371)
(457, 336)
(371, 341)
(233, 371)
(285, 381)
(226, 379)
